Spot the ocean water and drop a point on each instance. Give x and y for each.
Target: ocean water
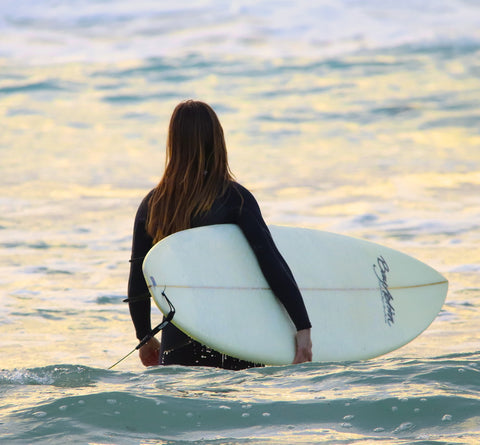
(357, 117)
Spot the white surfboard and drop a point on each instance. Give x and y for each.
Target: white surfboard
(363, 299)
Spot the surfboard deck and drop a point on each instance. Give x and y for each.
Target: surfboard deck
(363, 299)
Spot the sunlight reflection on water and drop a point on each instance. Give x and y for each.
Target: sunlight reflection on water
(381, 142)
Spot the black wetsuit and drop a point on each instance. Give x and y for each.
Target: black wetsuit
(238, 206)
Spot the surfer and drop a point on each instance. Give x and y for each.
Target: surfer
(198, 189)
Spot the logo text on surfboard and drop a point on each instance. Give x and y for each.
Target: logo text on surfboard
(381, 269)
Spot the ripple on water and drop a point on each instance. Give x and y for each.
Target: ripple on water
(182, 402)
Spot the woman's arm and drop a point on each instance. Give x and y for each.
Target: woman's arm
(138, 293)
(276, 272)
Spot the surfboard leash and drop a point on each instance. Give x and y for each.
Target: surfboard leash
(154, 331)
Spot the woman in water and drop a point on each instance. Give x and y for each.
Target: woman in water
(198, 189)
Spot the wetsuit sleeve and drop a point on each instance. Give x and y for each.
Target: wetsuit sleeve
(274, 268)
(138, 293)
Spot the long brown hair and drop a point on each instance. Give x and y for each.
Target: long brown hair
(196, 170)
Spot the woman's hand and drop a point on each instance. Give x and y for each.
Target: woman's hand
(150, 352)
(303, 347)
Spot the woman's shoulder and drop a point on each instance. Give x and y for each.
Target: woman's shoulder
(239, 188)
(147, 197)
(236, 189)
(143, 207)
(245, 197)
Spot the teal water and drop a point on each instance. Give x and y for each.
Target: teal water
(360, 118)
(354, 402)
